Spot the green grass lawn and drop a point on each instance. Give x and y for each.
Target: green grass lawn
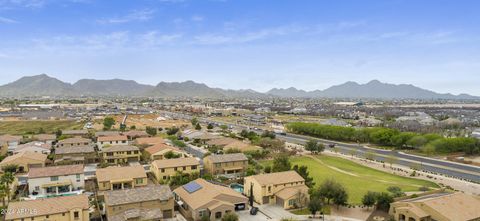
(23, 127)
(356, 178)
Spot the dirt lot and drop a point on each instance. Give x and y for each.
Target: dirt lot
(142, 121)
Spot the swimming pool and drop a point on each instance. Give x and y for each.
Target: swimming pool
(237, 187)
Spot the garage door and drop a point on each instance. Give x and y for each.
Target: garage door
(167, 213)
(266, 200)
(280, 202)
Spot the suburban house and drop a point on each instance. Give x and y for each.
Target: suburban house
(106, 134)
(227, 165)
(46, 138)
(443, 206)
(286, 189)
(158, 151)
(65, 208)
(116, 178)
(76, 155)
(34, 146)
(201, 198)
(74, 141)
(11, 141)
(119, 154)
(25, 160)
(153, 202)
(148, 141)
(134, 134)
(108, 141)
(164, 169)
(75, 133)
(56, 180)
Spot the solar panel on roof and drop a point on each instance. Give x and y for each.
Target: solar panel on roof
(192, 187)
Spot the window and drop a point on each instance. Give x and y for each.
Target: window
(33, 218)
(164, 177)
(194, 167)
(76, 215)
(124, 141)
(163, 170)
(175, 169)
(202, 213)
(135, 151)
(184, 168)
(47, 216)
(109, 154)
(269, 189)
(63, 214)
(138, 181)
(291, 202)
(129, 152)
(54, 178)
(78, 177)
(37, 188)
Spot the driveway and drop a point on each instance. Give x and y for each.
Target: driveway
(245, 216)
(276, 212)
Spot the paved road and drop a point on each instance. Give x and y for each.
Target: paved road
(452, 169)
(447, 168)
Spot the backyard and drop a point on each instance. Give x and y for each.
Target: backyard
(356, 178)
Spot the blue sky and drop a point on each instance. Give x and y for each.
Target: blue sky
(256, 44)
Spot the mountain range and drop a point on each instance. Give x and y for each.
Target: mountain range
(44, 85)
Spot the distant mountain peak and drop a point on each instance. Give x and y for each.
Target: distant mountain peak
(44, 85)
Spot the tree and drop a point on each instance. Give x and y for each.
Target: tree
(391, 159)
(58, 133)
(267, 133)
(340, 196)
(395, 191)
(383, 201)
(198, 127)
(7, 179)
(303, 171)
(123, 127)
(3, 193)
(152, 131)
(315, 205)
(369, 199)
(108, 122)
(230, 217)
(10, 168)
(133, 127)
(172, 130)
(267, 169)
(314, 147)
(194, 121)
(171, 155)
(210, 126)
(327, 190)
(281, 163)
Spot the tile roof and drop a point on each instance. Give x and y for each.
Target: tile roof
(449, 205)
(135, 133)
(112, 138)
(75, 140)
(141, 214)
(117, 148)
(160, 147)
(149, 140)
(9, 138)
(74, 132)
(221, 158)
(45, 136)
(137, 195)
(37, 172)
(47, 206)
(75, 149)
(178, 162)
(209, 194)
(278, 178)
(289, 192)
(116, 173)
(26, 155)
(106, 133)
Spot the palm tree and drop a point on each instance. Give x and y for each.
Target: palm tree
(7, 179)
(3, 193)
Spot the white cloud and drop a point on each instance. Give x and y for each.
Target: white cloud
(7, 20)
(10, 4)
(197, 18)
(137, 15)
(212, 39)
